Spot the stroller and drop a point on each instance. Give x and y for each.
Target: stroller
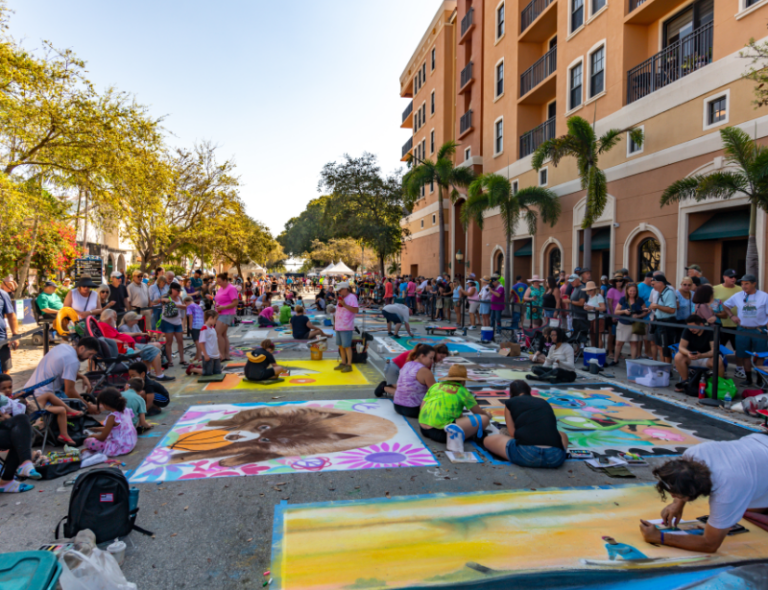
(110, 368)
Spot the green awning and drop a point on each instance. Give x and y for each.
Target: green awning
(601, 239)
(526, 250)
(728, 224)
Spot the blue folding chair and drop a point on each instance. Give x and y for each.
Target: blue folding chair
(761, 372)
(40, 412)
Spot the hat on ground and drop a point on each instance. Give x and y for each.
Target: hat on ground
(730, 273)
(573, 278)
(117, 275)
(456, 373)
(49, 284)
(749, 278)
(590, 285)
(694, 267)
(535, 279)
(86, 282)
(340, 286)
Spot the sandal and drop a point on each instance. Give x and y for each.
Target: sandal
(67, 440)
(184, 363)
(74, 414)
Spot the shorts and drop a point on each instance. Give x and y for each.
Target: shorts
(726, 339)
(227, 320)
(624, 333)
(699, 363)
(407, 411)
(435, 434)
(213, 367)
(664, 336)
(195, 334)
(447, 302)
(439, 303)
(5, 359)
(474, 306)
(745, 342)
(391, 373)
(532, 456)
(148, 353)
(169, 328)
(344, 338)
(485, 308)
(580, 325)
(392, 317)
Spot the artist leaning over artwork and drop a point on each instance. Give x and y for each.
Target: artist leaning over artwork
(533, 440)
(734, 476)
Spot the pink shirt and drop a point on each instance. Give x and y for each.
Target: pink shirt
(227, 296)
(345, 319)
(268, 312)
(613, 296)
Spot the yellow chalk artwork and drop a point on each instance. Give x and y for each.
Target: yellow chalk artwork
(444, 539)
(303, 374)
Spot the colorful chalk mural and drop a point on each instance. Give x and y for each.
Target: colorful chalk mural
(303, 374)
(529, 539)
(292, 437)
(455, 344)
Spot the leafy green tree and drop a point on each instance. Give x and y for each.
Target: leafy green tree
(300, 232)
(581, 142)
(748, 176)
(446, 176)
(489, 191)
(241, 241)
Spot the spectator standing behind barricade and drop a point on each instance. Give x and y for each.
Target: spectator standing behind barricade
(485, 301)
(118, 294)
(694, 270)
(7, 312)
(138, 297)
(410, 297)
(645, 290)
(345, 325)
(534, 300)
(751, 319)
(497, 303)
(665, 310)
(551, 299)
(389, 296)
(724, 291)
(157, 293)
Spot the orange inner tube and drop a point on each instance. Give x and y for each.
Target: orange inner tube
(65, 313)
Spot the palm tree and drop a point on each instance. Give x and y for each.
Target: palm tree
(446, 176)
(493, 190)
(750, 179)
(582, 143)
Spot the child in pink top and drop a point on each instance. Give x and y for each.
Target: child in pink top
(118, 435)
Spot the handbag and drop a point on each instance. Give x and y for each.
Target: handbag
(638, 329)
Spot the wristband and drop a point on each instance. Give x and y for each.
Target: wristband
(662, 537)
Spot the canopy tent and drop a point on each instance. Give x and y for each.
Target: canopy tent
(341, 269)
(327, 269)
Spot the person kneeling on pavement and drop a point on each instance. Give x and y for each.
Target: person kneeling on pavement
(533, 440)
(441, 417)
(696, 350)
(261, 365)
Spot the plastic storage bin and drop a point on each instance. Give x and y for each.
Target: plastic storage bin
(29, 570)
(649, 373)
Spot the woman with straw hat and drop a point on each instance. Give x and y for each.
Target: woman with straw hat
(441, 418)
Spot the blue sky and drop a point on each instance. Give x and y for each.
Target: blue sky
(283, 87)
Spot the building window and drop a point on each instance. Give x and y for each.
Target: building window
(555, 262)
(434, 219)
(422, 223)
(423, 148)
(597, 72)
(577, 14)
(434, 58)
(515, 187)
(423, 113)
(424, 72)
(432, 103)
(432, 142)
(649, 256)
(500, 79)
(467, 153)
(575, 83)
(543, 177)
(597, 5)
(716, 110)
(632, 148)
(499, 136)
(500, 21)
(432, 190)
(423, 192)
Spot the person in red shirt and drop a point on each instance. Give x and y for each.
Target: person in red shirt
(389, 296)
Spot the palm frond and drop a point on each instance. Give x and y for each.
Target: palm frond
(611, 137)
(738, 147)
(722, 185)
(597, 197)
(447, 150)
(462, 176)
(530, 220)
(555, 149)
(683, 189)
(581, 130)
(546, 202)
(473, 209)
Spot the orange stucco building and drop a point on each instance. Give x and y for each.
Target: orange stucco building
(523, 67)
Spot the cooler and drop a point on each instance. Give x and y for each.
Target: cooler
(594, 353)
(486, 334)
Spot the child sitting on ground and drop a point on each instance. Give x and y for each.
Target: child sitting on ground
(285, 313)
(137, 404)
(154, 394)
(195, 322)
(209, 344)
(117, 436)
(50, 403)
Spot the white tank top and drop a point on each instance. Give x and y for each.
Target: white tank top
(80, 303)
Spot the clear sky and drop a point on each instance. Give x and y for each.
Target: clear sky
(283, 87)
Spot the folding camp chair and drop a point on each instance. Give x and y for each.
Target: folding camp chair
(40, 413)
(110, 367)
(761, 371)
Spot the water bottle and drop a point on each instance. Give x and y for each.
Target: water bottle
(702, 390)
(728, 400)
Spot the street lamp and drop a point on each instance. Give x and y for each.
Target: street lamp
(459, 256)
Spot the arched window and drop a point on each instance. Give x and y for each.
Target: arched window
(555, 263)
(649, 256)
(498, 263)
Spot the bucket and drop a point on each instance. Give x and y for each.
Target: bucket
(327, 322)
(315, 353)
(594, 353)
(486, 334)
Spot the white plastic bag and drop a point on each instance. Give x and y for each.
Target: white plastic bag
(99, 571)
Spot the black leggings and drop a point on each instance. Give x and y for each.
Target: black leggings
(16, 436)
(407, 411)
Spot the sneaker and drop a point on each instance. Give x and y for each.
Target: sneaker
(472, 328)
(346, 369)
(739, 373)
(380, 389)
(154, 411)
(747, 383)
(455, 442)
(339, 367)
(165, 378)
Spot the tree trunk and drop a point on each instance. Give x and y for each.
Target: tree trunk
(753, 262)
(381, 265)
(77, 215)
(85, 227)
(24, 272)
(587, 260)
(239, 270)
(441, 230)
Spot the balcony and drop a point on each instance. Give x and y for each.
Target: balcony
(408, 117)
(647, 12)
(467, 24)
(538, 21)
(465, 123)
(539, 71)
(533, 11)
(466, 78)
(536, 136)
(681, 58)
(407, 149)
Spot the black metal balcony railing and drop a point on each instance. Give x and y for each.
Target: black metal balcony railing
(465, 122)
(634, 4)
(536, 136)
(681, 58)
(532, 11)
(467, 21)
(466, 75)
(408, 110)
(408, 146)
(539, 71)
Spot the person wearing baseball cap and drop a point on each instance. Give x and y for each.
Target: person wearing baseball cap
(665, 309)
(346, 309)
(694, 270)
(48, 301)
(119, 293)
(751, 318)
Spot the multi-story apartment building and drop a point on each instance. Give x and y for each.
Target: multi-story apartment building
(670, 67)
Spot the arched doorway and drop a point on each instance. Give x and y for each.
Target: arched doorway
(554, 262)
(121, 263)
(110, 266)
(648, 256)
(498, 263)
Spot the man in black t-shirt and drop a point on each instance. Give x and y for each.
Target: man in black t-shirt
(533, 440)
(119, 294)
(267, 368)
(303, 329)
(696, 350)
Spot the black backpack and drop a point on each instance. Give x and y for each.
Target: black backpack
(100, 501)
